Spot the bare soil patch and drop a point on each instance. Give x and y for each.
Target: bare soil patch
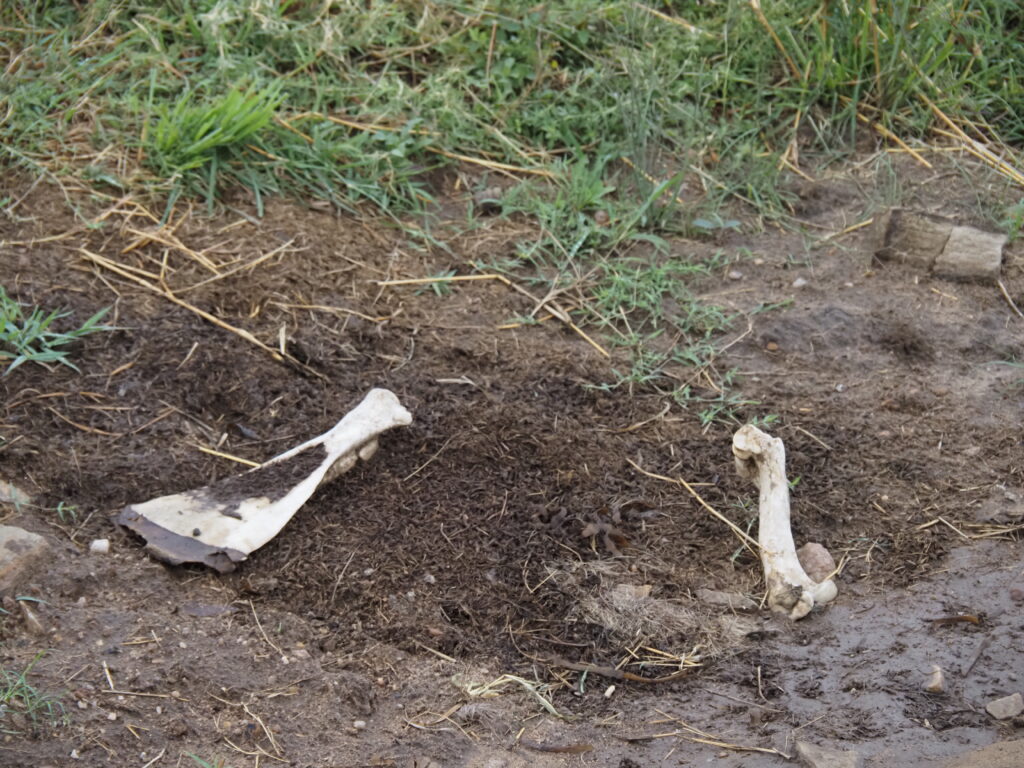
(505, 531)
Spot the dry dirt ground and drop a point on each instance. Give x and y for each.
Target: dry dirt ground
(377, 629)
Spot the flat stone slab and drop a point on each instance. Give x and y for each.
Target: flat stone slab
(934, 244)
(1006, 707)
(971, 254)
(813, 756)
(910, 237)
(20, 551)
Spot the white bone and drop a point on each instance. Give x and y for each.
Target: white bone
(762, 459)
(225, 522)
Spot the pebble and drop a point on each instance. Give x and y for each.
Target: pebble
(429, 578)
(32, 622)
(21, 552)
(936, 680)
(799, 282)
(359, 725)
(12, 494)
(1006, 707)
(816, 561)
(99, 546)
(813, 756)
(1017, 594)
(735, 274)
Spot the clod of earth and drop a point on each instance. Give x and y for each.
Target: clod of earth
(223, 523)
(762, 459)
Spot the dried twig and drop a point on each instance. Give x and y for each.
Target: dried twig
(167, 294)
(1006, 295)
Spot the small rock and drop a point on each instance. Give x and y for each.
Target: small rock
(359, 725)
(936, 682)
(488, 201)
(813, 756)
(735, 274)
(609, 691)
(31, 621)
(759, 262)
(799, 282)
(732, 600)
(12, 494)
(20, 550)
(971, 254)
(429, 578)
(99, 546)
(601, 218)
(1006, 707)
(816, 561)
(1017, 594)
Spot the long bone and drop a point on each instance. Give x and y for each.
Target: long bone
(223, 523)
(762, 459)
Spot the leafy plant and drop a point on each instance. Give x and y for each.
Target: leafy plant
(30, 338)
(18, 696)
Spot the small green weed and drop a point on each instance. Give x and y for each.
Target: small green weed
(19, 697)
(29, 338)
(217, 763)
(67, 513)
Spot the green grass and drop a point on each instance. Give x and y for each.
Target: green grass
(19, 697)
(30, 337)
(665, 117)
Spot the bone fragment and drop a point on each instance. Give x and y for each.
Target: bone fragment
(762, 459)
(223, 523)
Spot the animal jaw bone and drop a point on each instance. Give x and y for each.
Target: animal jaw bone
(223, 523)
(762, 459)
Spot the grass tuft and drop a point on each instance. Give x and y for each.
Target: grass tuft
(30, 337)
(21, 701)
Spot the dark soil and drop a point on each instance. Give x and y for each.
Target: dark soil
(500, 531)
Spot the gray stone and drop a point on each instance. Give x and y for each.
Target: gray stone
(732, 600)
(1006, 707)
(911, 238)
(813, 756)
(970, 254)
(20, 550)
(12, 494)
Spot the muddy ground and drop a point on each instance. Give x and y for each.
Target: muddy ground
(460, 553)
